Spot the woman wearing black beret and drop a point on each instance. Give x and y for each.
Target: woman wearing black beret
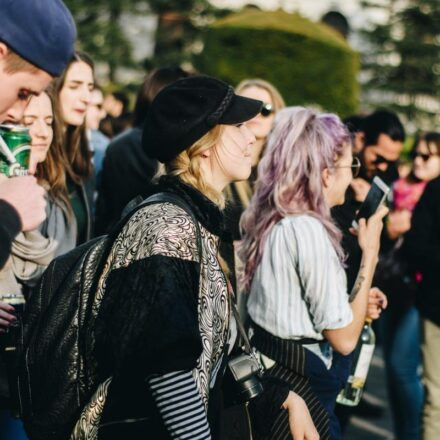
(165, 325)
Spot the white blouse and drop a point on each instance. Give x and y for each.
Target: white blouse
(299, 288)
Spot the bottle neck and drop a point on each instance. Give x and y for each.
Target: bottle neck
(368, 321)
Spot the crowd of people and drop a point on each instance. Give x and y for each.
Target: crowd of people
(234, 292)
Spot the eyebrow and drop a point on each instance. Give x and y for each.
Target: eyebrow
(36, 116)
(77, 81)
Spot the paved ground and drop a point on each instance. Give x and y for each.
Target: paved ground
(379, 428)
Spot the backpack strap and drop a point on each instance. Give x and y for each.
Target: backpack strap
(162, 197)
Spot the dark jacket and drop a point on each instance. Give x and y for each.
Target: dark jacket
(126, 173)
(162, 311)
(10, 226)
(422, 248)
(151, 319)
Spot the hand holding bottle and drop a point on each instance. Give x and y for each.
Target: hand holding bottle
(6, 316)
(377, 301)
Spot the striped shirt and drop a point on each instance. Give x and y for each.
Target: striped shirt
(180, 405)
(299, 288)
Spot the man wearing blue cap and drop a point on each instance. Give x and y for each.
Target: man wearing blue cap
(36, 42)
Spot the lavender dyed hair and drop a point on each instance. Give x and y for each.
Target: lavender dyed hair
(301, 145)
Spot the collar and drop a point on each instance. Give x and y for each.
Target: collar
(204, 209)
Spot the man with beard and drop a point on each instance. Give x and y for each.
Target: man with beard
(382, 136)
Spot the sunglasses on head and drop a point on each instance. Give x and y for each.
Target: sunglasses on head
(424, 156)
(267, 110)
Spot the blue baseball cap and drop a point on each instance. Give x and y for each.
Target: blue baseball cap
(40, 31)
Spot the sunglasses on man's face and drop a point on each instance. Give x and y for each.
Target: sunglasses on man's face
(424, 156)
(267, 110)
(380, 159)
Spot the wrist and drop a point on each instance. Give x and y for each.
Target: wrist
(370, 258)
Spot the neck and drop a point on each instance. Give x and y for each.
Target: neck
(328, 198)
(215, 179)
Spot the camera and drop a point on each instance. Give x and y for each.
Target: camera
(246, 372)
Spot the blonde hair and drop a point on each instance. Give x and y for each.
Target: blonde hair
(244, 189)
(277, 100)
(14, 63)
(187, 165)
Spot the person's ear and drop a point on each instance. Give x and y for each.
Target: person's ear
(361, 136)
(3, 50)
(207, 153)
(326, 177)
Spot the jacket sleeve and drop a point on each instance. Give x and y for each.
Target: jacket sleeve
(180, 406)
(419, 247)
(10, 226)
(148, 320)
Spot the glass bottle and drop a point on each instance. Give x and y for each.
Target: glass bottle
(351, 394)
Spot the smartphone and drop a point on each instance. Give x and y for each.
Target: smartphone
(375, 197)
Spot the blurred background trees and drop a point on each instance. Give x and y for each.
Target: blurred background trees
(402, 60)
(309, 61)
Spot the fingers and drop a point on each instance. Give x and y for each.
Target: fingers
(378, 298)
(296, 428)
(7, 316)
(4, 324)
(6, 307)
(374, 313)
(353, 231)
(362, 225)
(381, 212)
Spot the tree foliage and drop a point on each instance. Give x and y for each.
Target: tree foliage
(403, 60)
(100, 32)
(310, 63)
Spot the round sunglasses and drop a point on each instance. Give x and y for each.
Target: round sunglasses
(267, 110)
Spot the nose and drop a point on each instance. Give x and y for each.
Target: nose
(250, 137)
(418, 161)
(42, 130)
(15, 113)
(86, 95)
(382, 166)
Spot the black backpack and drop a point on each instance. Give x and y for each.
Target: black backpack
(57, 373)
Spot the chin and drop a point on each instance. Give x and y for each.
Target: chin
(75, 120)
(238, 177)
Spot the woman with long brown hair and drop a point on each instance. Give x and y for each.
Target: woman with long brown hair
(33, 251)
(73, 93)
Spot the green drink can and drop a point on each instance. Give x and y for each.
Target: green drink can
(15, 150)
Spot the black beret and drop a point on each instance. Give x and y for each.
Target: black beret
(41, 31)
(186, 110)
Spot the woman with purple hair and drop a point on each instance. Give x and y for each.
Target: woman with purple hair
(303, 323)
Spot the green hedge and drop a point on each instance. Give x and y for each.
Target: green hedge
(309, 62)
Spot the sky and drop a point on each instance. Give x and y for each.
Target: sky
(313, 9)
